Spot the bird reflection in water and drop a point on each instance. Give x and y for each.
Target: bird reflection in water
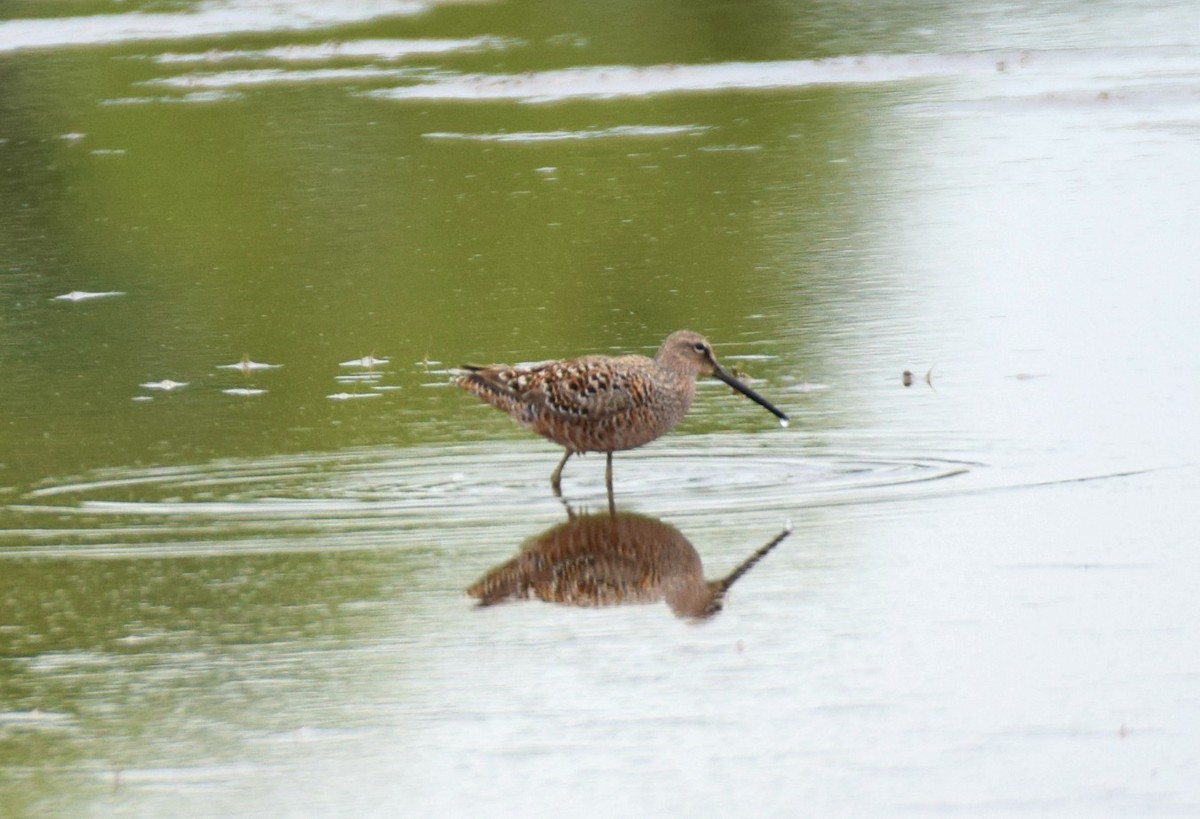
(610, 559)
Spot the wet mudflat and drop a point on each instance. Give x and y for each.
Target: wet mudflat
(242, 246)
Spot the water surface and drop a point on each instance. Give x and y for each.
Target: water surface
(235, 589)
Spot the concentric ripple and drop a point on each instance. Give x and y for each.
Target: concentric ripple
(389, 498)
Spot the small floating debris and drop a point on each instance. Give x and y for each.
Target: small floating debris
(84, 295)
(349, 396)
(243, 391)
(366, 361)
(166, 385)
(906, 378)
(143, 398)
(246, 365)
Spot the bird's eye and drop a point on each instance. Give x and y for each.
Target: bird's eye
(698, 347)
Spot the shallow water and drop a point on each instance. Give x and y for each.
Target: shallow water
(236, 589)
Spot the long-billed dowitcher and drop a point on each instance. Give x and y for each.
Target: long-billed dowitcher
(602, 403)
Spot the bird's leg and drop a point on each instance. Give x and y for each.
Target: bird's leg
(556, 475)
(608, 480)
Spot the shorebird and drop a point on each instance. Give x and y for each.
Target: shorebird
(603, 403)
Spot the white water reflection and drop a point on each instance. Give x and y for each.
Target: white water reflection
(1058, 70)
(27, 720)
(367, 362)
(84, 295)
(618, 131)
(390, 50)
(208, 19)
(246, 365)
(608, 82)
(195, 97)
(352, 396)
(277, 76)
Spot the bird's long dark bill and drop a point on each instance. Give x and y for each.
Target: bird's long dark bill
(720, 373)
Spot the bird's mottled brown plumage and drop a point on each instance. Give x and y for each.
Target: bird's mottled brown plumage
(603, 403)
